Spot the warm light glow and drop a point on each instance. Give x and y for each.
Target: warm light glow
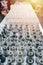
(37, 5)
(34, 1)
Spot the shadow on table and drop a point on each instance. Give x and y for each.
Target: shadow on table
(1, 17)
